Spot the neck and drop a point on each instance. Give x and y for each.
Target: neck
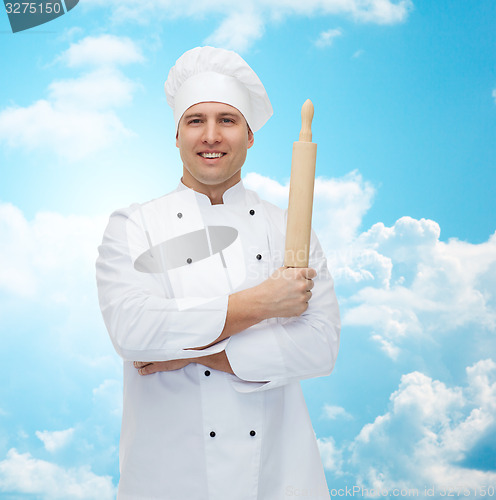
(214, 192)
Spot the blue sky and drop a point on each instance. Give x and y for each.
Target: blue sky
(405, 121)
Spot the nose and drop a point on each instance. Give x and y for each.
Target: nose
(211, 133)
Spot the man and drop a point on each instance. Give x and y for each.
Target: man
(215, 334)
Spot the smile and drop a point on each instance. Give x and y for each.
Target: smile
(211, 155)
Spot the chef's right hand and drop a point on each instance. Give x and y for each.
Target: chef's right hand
(287, 292)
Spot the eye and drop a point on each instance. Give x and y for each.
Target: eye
(194, 121)
(227, 120)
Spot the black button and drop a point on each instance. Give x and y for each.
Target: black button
(179, 215)
(252, 212)
(259, 257)
(188, 260)
(252, 433)
(207, 373)
(212, 434)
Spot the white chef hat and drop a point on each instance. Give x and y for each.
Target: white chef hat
(208, 74)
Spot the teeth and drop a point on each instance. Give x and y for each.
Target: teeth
(211, 155)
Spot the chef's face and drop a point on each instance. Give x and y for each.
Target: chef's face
(213, 139)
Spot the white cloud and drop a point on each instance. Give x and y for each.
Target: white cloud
(268, 189)
(238, 31)
(107, 397)
(332, 456)
(494, 95)
(22, 473)
(49, 273)
(334, 412)
(50, 257)
(15, 277)
(379, 11)
(339, 205)
(429, 434)
(326, 38)
(417, 284)
(78, 118)
(99, 90)
(73, 134)
(244, 23)
(71, 33)
(104, 50)
(387, 346)
(55, 440)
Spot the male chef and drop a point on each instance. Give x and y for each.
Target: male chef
(214, 332)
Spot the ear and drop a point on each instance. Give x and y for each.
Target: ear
(177, 139)
(251, 138)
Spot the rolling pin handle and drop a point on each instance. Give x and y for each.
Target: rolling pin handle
(306, 121)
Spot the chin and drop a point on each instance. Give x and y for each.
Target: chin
(211, 181)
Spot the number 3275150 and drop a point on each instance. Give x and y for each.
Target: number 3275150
(33, 8)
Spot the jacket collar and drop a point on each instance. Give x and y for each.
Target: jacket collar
(235, 194)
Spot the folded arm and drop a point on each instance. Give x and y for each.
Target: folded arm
(277, 336)
(285, 294)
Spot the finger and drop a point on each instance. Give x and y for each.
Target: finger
(140, 364)
(287, 272)
(309, 273)
(162, 366)
(304, 272)
(149, 369)
(309, 295)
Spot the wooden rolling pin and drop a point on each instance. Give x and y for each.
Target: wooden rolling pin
(299, 225)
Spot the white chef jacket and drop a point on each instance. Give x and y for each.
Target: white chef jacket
(164, 272)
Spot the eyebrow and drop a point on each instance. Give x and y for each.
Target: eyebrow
(193, 115)
(202, 115)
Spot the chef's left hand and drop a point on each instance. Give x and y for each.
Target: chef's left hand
(217, 361)
(147, 368)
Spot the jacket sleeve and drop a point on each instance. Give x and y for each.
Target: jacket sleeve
(144, 322)
(280, 351)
